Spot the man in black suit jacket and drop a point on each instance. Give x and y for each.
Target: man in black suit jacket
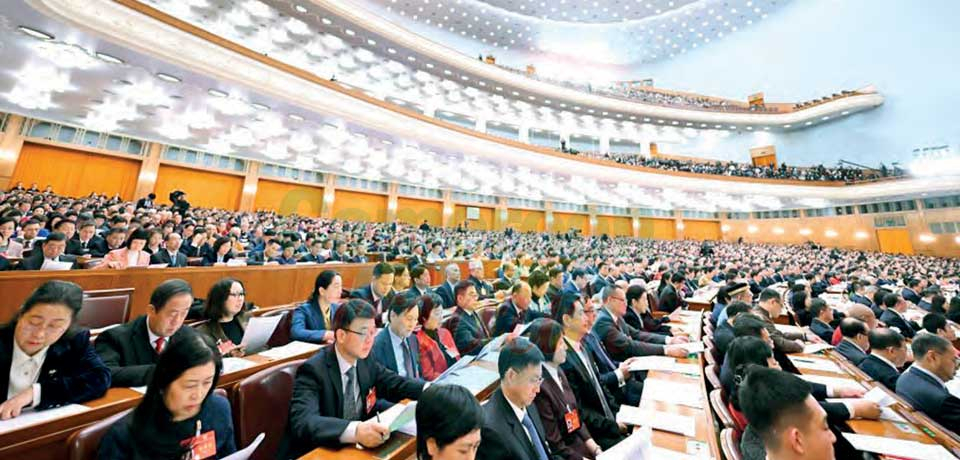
(86, 242)
(909, 293)
(724, 334)
(336, 391)
(421, 283)
(146, 202)
(855, 340)
(51, 251)
(131, 350)
(922, 385)
(379, 292)
(893, 315)
(170, 254)
(670, 298)
(623, 341)
(887, 356)
(484, 289)
(470, 333)
(511, 424)
(451, 274)
(822, 316)
(515, 310)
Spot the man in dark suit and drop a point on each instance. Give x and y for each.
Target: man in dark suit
(670, 295)
(146, 202)
(893, 315)
(785, 419)
(909, 293)
(421, 282)
(170, 254)
(417, 257)
(515, 310)
(556, 283)
(595, 390)
(922, 385)
(822, 316)
(314, 255)
(511, 424)
(451, 275)
(131, 350)
(859, 295)
(855, 341)
(336, 391)
(724, 334)
(395, 347)
(621, 340)
(379, 292)
(470, 334)
(578, 281)
(86, 242)
(769, 306)
(602, 278)
(888, 353)
(50, 251)
(484, 289)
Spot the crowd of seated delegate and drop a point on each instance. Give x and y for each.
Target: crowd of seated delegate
(593, 290)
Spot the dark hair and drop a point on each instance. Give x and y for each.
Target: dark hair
(748, 324)
(138, 234)
(635, 292)
(890, 300)
(427, 303)
(879, 296)
(154, 437)
(677, 277)
(882, 338)
(554, 272)
(168, 290)
(922, 343)
(8, 219)
(217, 298)
(436, 421)
(769, 294)
(323, 280)
(852, 327)
(736, 308)
(817, 306)
(461, 288)
(743, 352)
(932, 322)
(518, 355)
(577, 273)
(565, 305)
(936, 303)
(537, 278)
(399, 269)
(768, 397)
(56, 292)
(382, 268)
(63, 222)
(545, 333)
(417, 271)
(798, 300)
(351, 310)
(401, 304)
(219, 243)
(55, 236)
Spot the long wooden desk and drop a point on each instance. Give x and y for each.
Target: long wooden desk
(917, 427)
(48, 441)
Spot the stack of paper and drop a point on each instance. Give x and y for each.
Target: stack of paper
(787, 329)
(816, 364)
(236, 364)
(816, 348)
(686, 394)
(663, 363)
(290, 349)
(637, 445)
(32, 417)
(248, 451)
(898, 447)
(258, 332)
(834, 382)
(664, 421)
(693, 347)
(473, 378)
(398, 416)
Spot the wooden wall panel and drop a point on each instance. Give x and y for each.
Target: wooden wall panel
(658, 229)
(564, 221)
(367, 207)
(701, 230)
(484, 223)
(286, 198)
(75, 172)
(414, 211)
(204, 188)
(614, 226)
(894, 240)
(526, 220)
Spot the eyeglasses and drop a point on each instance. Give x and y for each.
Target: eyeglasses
(367, 334)
(237, 294)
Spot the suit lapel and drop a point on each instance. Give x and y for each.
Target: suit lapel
(333, 371)
(6, 359)
(519, 432)
(142, 350)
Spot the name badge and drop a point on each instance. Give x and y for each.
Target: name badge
(573, 420)
(371, 399)
(201, 447)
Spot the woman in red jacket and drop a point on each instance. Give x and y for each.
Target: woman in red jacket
(437, 349)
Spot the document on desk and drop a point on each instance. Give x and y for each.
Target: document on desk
(831, 381)
(231, 364)
(258, 332)
(664, 421)
(898, 447)
(50, 265)
(290, 349)
(693, 347)
(398, 416)
(879, 396)
(816, 364)
(686, 394)
(786, 328)
(31, 417)
(813, 348)
(473, 378)
(248, 451)
(637, 445)
(460, 364)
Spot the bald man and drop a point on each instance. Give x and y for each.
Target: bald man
(861, 312)
(515, 310)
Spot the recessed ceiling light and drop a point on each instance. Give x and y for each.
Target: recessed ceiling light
(391, 51)
(216, 93)
(168, 77)
(35, 33)
(371, 42)
(295, 117)
(259, 106)
(787, 126)
(808, 123)
(350, 32)
(300, 9)
(108, 58)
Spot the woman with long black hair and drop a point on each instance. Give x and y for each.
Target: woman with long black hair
(179, 417)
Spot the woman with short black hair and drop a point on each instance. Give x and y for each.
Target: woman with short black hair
(448, 423)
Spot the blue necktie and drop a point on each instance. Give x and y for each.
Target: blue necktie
(598, 347)
(534, 437)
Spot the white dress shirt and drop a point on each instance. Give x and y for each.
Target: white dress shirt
(349, 435)
(24, 372)
(520, 413)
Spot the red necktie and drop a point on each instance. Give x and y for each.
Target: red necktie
(160, 343)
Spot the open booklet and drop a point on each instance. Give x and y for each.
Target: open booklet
(496, 344)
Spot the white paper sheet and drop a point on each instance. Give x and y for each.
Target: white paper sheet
(816, 364)
(898, 447)
(786, 328)
(460, 364)
(49, 265)
(473, 378)
(142, 390)
(258, 332)
(635, 446)
(831, 381)
(686, 394)
(879, 396)
(236, 364)
(693, 347)
(663, 363)
(248, 451)
(663, 421)
(813, 348)
(397, 416)
(31, 417)
(290, 349)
